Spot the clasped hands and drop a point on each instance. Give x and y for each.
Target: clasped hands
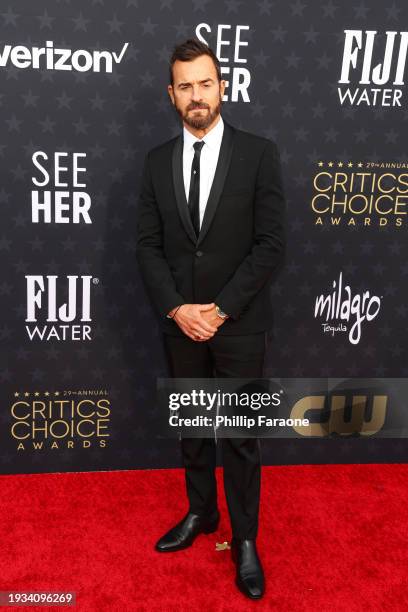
(198, 321)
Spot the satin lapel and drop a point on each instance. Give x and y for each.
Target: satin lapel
(223, 163)
(178, 181)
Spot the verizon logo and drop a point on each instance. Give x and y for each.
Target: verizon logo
(60, 59)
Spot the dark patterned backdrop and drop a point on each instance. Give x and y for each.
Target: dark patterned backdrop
(78, 382)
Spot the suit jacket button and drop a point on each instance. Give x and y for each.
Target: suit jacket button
(199, 253)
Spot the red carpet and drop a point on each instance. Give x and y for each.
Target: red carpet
(332, 538)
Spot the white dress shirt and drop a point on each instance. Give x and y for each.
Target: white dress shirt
(208, 161)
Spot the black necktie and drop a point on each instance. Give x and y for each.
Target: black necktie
(194, 193)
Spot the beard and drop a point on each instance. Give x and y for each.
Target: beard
(199, 122)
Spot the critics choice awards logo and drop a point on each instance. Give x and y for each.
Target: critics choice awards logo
(60, 419)
(373, 67)
(360, 193)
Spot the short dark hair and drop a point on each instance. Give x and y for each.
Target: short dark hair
(189, 50)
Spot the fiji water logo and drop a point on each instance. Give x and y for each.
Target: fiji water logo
(343, 311)
(372, 83)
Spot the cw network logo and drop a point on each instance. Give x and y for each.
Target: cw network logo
(341, 414)
(50, 58)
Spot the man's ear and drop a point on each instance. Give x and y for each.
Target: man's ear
(171, 93)
(222, 87)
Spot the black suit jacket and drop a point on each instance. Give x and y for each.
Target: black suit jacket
(241, 241)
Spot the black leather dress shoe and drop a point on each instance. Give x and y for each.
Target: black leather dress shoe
(250, 577)
(185, 532)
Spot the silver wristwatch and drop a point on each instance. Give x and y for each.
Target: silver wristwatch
(220, 312)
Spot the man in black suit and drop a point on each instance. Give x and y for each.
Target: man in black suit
(211, 234)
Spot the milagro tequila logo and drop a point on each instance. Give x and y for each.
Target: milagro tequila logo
(47, 318)
(50, 58)
(379, 84)
(340, 305)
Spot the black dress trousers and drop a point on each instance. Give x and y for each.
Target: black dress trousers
(223, 357)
